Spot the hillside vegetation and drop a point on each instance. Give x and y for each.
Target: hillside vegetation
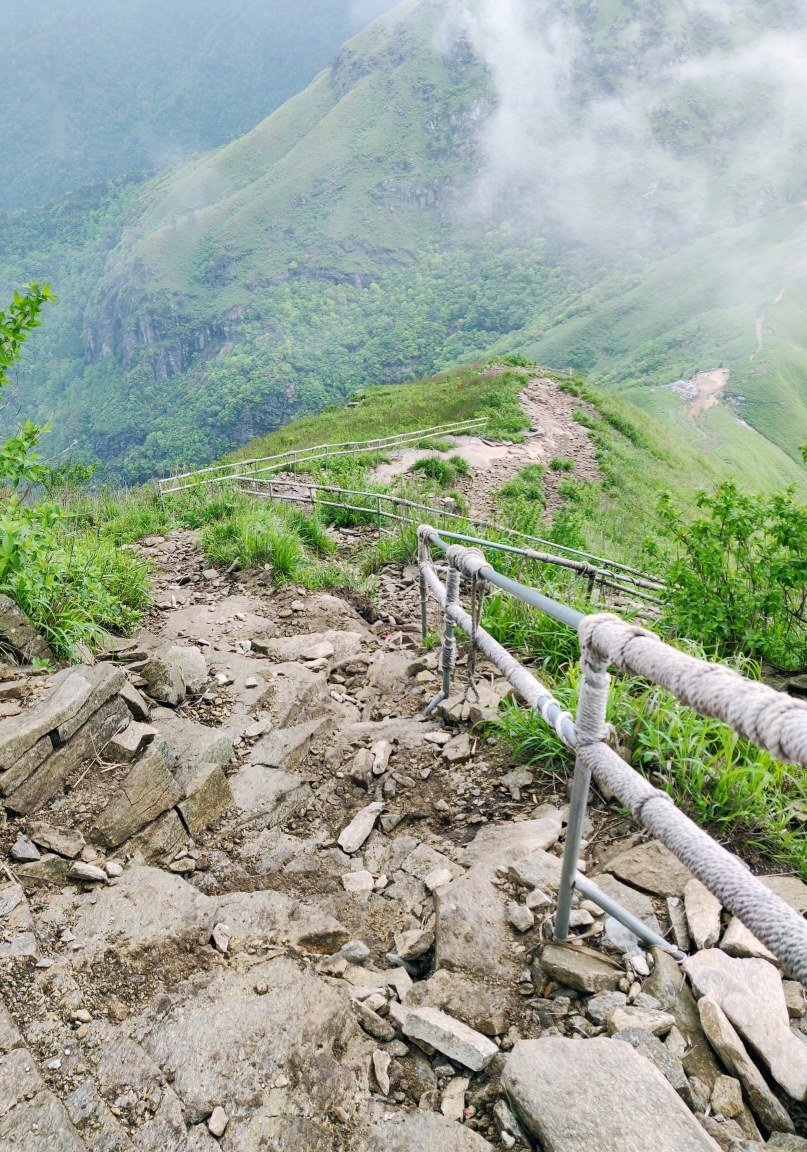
(93, 90)
(638, 225)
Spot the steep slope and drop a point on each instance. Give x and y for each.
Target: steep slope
(614, 189)
(92, 90)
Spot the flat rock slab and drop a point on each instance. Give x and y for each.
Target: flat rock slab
(64, 841)
(504, 843)
(191, 741)
(651, 867)
(286, 747)
(790, 889)
(751, 995)
(224, 1041)
(741, 942)
(253, 915)
(332, 645)
(266, 796)
(17, 936)
(731, 1050)
(147, 791)
(356, 832)
(207, 795)
(421, 1131)
(580, 968)
(472, 934)
(538, 870)
(38, 1124)
(147, 908)
(599, 1094)
(703, 914)
(675, 996)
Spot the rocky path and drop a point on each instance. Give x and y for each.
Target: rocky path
(253, 899)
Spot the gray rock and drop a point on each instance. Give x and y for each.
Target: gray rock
(124, 1070)
(130, 742)
(668, 1065)
(254, 915)
(191, 663)
(24, 850)
(148, 790)
(667, 985)
(49, 869)
(79, 870)
(790, 889)
(580, 968)
(286, 747)
(164, 679)
(148, 908)
(471, 932)
(750, 993)
(206, 795)
(105, 681)
(159, 841)
(729, 1047)
(451, 1037)
(334, 645)
(634, 901)
(598, 1094)
(291, 690)
(519, 917)
(651, 867)
(424, 860)
(63, 841)
(10, 1036)
(599, 1008)
(646, 1020)
(784, 1142)
(501, 844)
(703, 914)
(137, 704)
(19, 1076)
(414, 943)
(27, 763)
(190, 741)
(538, 870)
(38, 1124)
(19, 734)
(266, 796)
(458, 750)
(94, 1122)
(421, 1131)
(475, 1003)
(740, 942)
(678, 921)
(361, 771)
(18, 631)
(90, 739)
(223, 1041)
(17, 937)
(356, 832)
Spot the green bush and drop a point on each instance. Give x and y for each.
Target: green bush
(441, 471)
(737, 575)
(561, 464)
(527, 484)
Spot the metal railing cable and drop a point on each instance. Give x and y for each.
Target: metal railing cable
(758, 713)
(617, 578)
(295, 457)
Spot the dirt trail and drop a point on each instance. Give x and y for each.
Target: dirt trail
(710, 385)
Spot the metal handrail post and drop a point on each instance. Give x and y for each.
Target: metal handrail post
(571, 849)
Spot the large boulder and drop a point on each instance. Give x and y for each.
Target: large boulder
(17, 631)
(599, 1094)
(147, 791)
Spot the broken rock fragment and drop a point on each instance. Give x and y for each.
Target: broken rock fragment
(451, 1037)
(353, 836)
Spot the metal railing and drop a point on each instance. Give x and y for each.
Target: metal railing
(382, 506)
(251, 470)
(772, 720)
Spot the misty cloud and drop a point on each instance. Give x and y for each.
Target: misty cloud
(632, 135)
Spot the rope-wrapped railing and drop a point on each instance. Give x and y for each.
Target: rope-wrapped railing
(766, 717)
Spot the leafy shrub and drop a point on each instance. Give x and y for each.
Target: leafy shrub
(561, 464)
(460, 465)
(527, 484)
(737, 575)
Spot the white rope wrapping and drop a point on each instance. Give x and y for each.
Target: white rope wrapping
(448, 654)
(468, 561)
(767, 718)
(606, 639)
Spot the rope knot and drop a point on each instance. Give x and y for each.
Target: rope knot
(468, 561)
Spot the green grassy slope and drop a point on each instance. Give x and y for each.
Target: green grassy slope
(364, 233)
(92, 90)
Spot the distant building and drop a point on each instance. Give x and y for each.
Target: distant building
(684, 388)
